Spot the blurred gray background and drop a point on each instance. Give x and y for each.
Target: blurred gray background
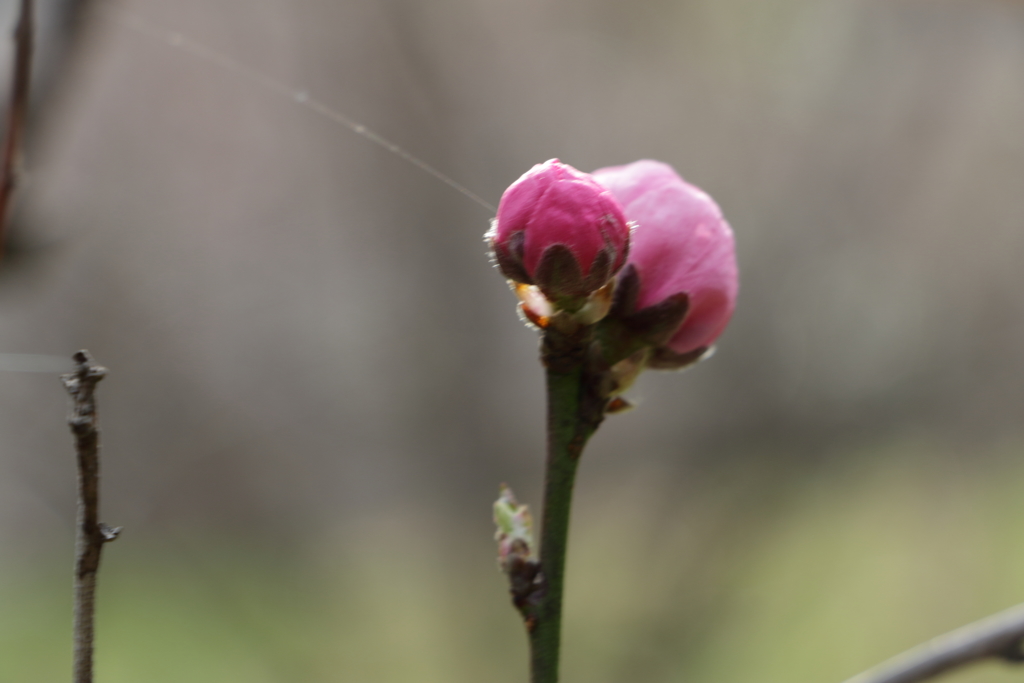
(313, 363)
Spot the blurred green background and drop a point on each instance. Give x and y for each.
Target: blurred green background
(856, 564)
(318, 381)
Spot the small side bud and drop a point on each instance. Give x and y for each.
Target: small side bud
(515, 549)
(515, 529)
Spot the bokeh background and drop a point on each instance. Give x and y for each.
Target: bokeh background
(318, 381)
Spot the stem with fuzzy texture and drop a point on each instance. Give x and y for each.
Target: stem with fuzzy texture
(575, 410)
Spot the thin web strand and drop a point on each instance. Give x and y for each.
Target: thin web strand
(299, 97)
(44, 363)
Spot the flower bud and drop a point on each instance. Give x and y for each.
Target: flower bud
(680, 282)
(516, 555)
(515, 529)
(560, 230)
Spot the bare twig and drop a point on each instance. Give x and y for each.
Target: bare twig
(91, 534)
(17, 111)
(999, 636)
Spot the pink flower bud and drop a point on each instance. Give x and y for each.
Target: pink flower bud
(560, 230)
(682, 248)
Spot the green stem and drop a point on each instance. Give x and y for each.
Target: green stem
(574, 412)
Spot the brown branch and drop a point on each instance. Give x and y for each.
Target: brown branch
(91, 534)
(17, 112)
(999, 636)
